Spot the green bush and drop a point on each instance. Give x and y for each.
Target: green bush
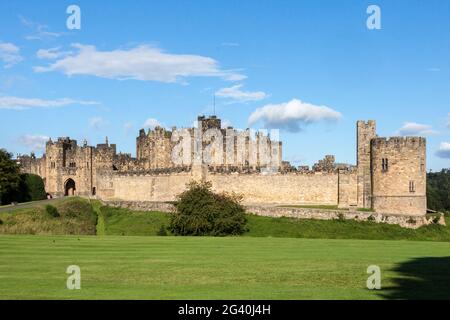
(162, 231)
(52, 211)
(201, 212)
(9, 177)
(36, 188)
(31, 188)
(341, 217)
(438, 190)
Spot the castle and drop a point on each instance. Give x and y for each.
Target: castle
(389, 177)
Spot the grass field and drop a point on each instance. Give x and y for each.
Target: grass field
(220, 268)
(274, 259)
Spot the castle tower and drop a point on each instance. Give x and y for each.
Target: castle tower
(365, 132)
(154, 148)
(399, 175)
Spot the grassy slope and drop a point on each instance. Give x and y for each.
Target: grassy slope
(76, 217)
(337, 229)
(220, 268)
(117, 221)
(135, 223)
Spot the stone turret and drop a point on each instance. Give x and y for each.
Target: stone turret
(365, 132)
(399, 175)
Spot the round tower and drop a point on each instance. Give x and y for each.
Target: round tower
(398, 168)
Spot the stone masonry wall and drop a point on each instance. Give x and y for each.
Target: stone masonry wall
(315, 188)
(412, 222)
(399, 175)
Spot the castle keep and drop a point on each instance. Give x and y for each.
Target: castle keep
(389, 176)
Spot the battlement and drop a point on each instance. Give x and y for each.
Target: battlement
(211, 122)
(62, 141)
(366, 124)
(398, 142)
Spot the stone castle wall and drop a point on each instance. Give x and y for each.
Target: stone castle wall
(313, 189)
(406, 221)
(390, 176)
(280, 188)
(399, 175)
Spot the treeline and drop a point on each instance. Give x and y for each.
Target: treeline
(16, 186)
(438, 190)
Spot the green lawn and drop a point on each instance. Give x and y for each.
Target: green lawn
(83, 217)
(118, 221)
(341, 229)
(219, 268)
(272, 260)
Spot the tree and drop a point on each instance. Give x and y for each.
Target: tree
(438, 190)
(201, 212)
(31, 188)
(9, 177)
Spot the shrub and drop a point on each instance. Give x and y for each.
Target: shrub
(341, 217)
(201, 212)
(1, 222)
(162, 231)
(9, 177)
(36, 188)
(31, 188)
(371, 218)
(52, 211)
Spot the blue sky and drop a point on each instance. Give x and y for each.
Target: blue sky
(310, 68)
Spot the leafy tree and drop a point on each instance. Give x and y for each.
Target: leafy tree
(9, 177)
(31, 188)
(201, 212)
(438, 190)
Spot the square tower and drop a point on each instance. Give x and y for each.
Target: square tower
(365, 132)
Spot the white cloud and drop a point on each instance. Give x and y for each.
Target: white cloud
(9, 54)
(34, 142)
(140, 63)
(38, 31)
(97, 123)
(128, 127)
(237, 95)
(415, 129)
(16, 103)
(444, 150)
(226, 123)
(292, 115)
(51, 53)
(152, 123)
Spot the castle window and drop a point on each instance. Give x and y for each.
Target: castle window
(384, 164)
(412, 186)
(52, 165)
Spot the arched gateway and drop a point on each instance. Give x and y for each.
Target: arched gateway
(69, 188)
